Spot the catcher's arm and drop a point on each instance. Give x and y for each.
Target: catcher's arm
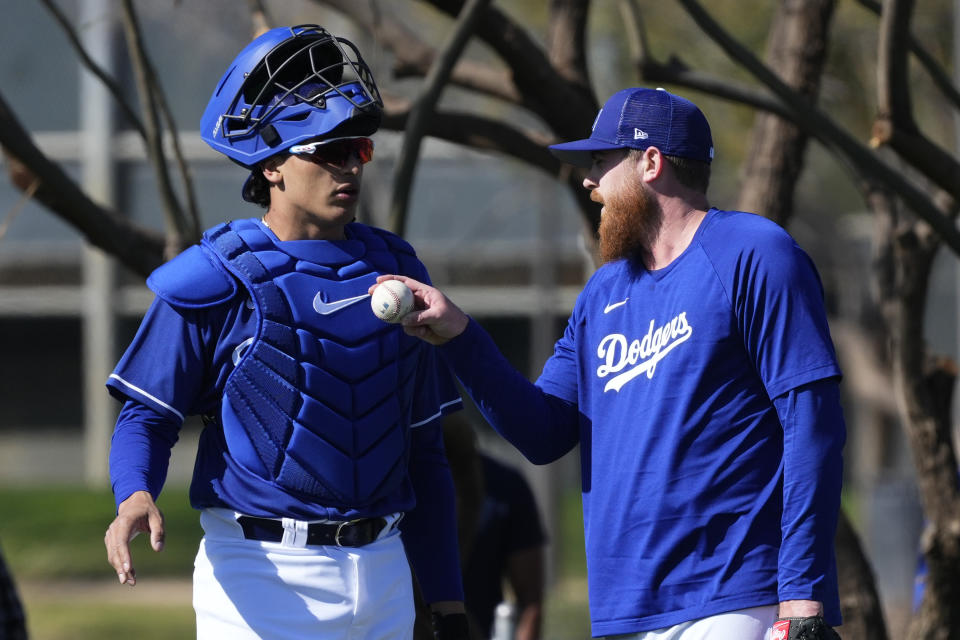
(137, 514)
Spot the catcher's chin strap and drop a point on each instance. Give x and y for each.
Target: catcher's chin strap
(812, 628)
(452, 626)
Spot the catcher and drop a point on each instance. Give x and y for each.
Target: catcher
(320, 469)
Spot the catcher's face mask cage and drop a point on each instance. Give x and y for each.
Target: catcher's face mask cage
(290, 85)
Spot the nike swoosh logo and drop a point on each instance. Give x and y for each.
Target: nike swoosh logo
(613, 305)
(326, 308)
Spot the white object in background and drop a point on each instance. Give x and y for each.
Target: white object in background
(503, 622)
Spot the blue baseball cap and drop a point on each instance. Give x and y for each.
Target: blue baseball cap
(639, 118)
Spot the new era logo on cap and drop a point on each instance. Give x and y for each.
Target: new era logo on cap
(639, 118)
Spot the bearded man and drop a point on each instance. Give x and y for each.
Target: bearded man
(698, 375)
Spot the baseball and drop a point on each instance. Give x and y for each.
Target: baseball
(391, 300)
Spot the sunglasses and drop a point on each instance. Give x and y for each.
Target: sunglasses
(338, 151)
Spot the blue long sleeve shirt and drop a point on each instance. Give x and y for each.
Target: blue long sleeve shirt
(704, 398)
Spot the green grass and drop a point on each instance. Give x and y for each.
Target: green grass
(571, 557)
(52, 539)
(64, 620)
(566, 613)
(57, 533)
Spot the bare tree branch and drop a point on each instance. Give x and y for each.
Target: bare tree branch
(480, 133)
(865, 376)
(925, 385)
(892, 75)
(895, 124)
(131, 115)
(115, 90)
(481, 79)
(866, 599)
(796, 50)
(192, 228)
(919, 151)
(933, 68)
(566, 40)
(413, 58)
(25, 197)
(181, 230)
(824, 129)
(532, 83)
(138, 249)
(259, 18)
(675, 71)
(491, 135)
(568, 109)
(638, 41)
(423, 109)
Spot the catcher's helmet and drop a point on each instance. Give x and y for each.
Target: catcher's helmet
(290, 85)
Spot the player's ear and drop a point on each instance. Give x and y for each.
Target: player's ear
(651, 163)
(271, 169)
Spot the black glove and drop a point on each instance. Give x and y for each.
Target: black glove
(812, 628)
(452, 626)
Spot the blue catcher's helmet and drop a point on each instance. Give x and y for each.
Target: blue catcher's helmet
(290, 85)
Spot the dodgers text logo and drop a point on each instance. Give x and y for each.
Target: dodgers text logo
(629, 359)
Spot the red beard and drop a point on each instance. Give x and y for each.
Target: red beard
(630, 223)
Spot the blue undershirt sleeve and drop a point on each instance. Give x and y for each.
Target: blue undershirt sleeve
(140, 450)
(542, 426)
(813, 437)
(429, 530)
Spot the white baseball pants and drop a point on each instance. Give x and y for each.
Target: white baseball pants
(744, 624)
(247, 589)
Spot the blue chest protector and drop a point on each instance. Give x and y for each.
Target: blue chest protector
(320, 401)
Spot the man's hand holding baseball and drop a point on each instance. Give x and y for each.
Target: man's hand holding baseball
(137, 514)
(434, 319)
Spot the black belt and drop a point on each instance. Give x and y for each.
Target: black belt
(349, 533)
